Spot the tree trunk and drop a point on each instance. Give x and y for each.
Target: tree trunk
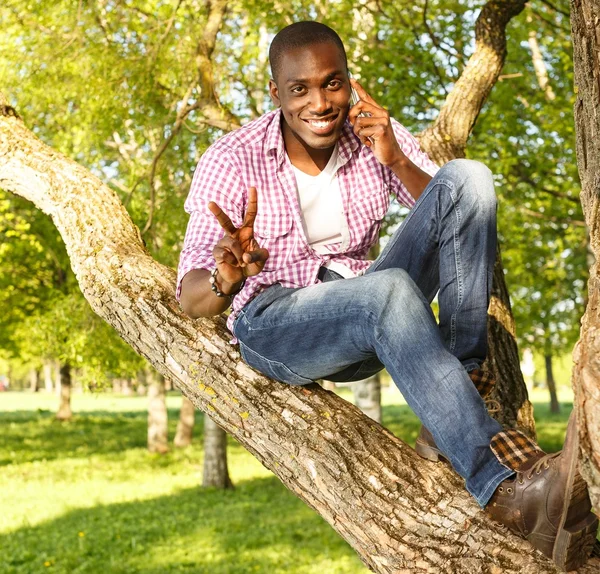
(34, 380)
(367, 396)
(185, 426)
(158, 440)
(48, 382)
(216, 473)
(64, 410)
(585, 21)
(446, 139)
(551, 384)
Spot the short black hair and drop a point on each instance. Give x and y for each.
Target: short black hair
(301, 35)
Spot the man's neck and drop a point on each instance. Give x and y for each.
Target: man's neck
(309, 160)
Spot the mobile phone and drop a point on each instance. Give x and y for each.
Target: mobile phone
(354, 99)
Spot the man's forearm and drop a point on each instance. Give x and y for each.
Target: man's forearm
(197, 298)
(414, 178)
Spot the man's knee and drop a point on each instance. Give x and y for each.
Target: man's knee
(474, 179)
(394, 288)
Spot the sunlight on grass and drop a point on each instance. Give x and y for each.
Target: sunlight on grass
(85, 496)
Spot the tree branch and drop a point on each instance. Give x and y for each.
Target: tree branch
(399, 512)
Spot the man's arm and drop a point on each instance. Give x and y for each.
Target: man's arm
(413, 177)
(197, 298)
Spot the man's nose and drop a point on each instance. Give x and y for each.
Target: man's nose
(319, 102)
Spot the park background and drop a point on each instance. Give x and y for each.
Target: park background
(120, 87)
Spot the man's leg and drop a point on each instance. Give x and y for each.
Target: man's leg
(299, 335)
(447, 243)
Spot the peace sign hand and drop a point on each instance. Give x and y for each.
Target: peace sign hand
(237, 254)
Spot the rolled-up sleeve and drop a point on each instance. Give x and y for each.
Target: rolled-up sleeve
(411, 148)
(217, 178)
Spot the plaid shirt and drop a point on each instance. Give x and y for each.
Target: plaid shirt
(254, 156)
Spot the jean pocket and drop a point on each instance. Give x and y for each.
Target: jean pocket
(272, 369)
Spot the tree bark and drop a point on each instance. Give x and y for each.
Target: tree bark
(398, 511)
(551, 384)
(158, 439)
(64, 409)
(367, 396)
(446, 139)
(185, 426)
(216, 473)
(585, 22)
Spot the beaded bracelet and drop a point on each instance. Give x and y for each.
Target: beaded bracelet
(215, 288)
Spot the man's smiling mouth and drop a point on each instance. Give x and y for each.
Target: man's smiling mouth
(321, 125)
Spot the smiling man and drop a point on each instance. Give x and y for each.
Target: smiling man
(283, 213)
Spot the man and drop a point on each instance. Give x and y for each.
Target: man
(283, 213)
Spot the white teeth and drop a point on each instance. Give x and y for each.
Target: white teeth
(319, 124)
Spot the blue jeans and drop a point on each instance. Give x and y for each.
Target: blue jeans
(349, 329)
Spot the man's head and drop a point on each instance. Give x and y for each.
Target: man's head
(310, 84)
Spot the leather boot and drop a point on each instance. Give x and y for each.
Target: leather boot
(425, 445)
(547, 502)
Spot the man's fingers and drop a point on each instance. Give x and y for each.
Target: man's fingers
(223, 255)
(259, 255)
(233, 246)
(252, 208)
(362, 94)
(222, 218)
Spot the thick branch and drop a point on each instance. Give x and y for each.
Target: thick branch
(446, 139)
(400, 513)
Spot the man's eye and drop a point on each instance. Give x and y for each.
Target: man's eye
(298, 89)
(335, 84)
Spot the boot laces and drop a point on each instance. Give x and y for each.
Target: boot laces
(541, 464)
(493, 406)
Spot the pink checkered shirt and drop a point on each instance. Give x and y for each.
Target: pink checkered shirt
(254, 156)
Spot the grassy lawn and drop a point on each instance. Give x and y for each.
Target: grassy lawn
(86, 497)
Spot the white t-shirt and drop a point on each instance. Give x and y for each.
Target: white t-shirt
(322, 210)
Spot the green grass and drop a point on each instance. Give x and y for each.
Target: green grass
(85, 496)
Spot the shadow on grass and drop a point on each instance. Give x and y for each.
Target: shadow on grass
(259, 527)
(30, 436)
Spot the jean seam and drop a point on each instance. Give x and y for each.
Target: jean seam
(458, 264)
(305, 380)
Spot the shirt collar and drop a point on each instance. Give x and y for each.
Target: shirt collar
(347, 144)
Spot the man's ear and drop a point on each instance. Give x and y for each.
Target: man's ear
(274, 93)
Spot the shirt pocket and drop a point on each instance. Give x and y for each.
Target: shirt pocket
(274, 232)
(366, 214)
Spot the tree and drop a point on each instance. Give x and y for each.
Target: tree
(586, 373)
(185, 425)
(371, 487)
(158, 440)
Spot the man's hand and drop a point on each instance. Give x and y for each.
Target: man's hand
(375, 131)
(375, 128)
(237, 254)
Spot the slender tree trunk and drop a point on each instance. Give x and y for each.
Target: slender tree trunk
(185, 426)
(216, 473)
(551, 384)
(585, 21)
(64, 409)
(34, 380)
(48, 382)
(157, 413)
(367, 396)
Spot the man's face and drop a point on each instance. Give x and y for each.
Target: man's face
(313, 91)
